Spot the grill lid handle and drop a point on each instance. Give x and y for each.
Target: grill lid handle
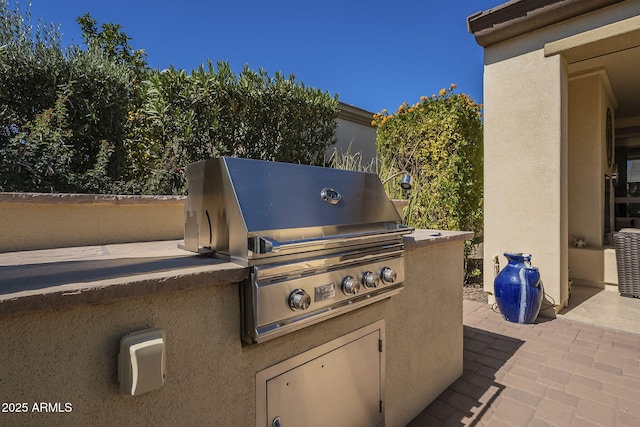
(268, 245)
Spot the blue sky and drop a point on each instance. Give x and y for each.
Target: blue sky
(373, 54)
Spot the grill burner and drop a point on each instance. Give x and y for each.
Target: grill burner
(319, 242)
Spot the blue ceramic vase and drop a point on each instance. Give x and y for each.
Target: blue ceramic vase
(518, 289)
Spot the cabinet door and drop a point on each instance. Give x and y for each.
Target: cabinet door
(341, 387)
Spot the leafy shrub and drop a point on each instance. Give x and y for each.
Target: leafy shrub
(98, 120)
(62, 111)
(439, 142)
(213, 112)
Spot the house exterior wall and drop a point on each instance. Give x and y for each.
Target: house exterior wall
(527, 152)
(355, 138)
(355, 135)
(588, 103)
(589, 98)
(525, 165)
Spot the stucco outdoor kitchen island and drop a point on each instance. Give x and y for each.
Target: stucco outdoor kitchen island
(64, 311)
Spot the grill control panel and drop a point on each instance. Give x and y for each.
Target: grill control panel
(299, 299)
(291, 296)
(289, 302)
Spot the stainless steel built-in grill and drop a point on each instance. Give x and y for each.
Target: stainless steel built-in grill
(319, 242)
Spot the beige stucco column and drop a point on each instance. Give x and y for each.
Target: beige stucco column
(545, 133)
(525, 155)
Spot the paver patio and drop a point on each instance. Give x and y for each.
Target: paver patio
(553, 373)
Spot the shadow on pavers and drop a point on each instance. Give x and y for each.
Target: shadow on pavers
(467, 400)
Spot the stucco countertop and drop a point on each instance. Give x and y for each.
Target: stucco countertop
(421, 237)
(67, 277)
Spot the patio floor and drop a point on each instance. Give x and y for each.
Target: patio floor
(562, 372)
(603, 307)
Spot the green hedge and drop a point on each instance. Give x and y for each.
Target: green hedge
(98, 120)
(62, 111)
(439, 142)
(213, 112)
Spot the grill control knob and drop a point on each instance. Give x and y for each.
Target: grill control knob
(350, 286)
(388, 275)
(299, 299)
(370, 280)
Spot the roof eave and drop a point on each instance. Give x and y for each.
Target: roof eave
(355, 114)
(518, 17)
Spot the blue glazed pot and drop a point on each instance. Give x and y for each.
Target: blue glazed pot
(518, 289)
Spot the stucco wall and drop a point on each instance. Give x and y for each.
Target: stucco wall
(355, 138)
(593, 267)
(588, 103)
(589, 98)
(40, 221)
(69, 355)
(525, 165)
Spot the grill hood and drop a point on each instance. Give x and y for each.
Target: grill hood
(246, 210)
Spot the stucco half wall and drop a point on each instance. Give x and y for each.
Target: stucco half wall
(31, 221)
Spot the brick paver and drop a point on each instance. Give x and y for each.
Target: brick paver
(552, 373)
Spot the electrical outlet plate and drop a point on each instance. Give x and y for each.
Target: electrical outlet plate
(141, 362)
